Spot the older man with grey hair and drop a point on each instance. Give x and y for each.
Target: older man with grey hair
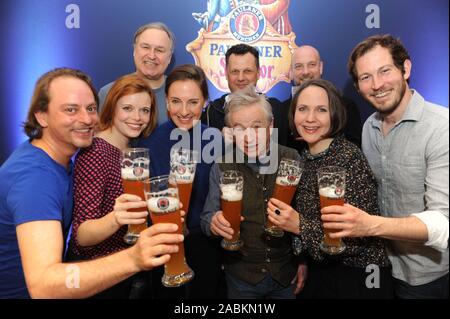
(153, 47)
(265, 266)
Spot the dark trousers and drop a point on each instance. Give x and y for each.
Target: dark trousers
(332, 280)
(437, 289)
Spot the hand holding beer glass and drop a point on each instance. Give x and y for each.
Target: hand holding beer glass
(161, 193)
(288, 177)
(134, 170)
(183, 163)
(231, 189)
(331, 180)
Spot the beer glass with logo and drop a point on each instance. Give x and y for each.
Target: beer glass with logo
(331, 180)
(135, 169)
(183, 163)
(288, 177)
(161, 193)
(231, 190)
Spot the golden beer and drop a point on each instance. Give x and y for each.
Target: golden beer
(164, 207)
(231, 189)
(135, 187)
(134, 170)
(331, 182)
(182, 166)
(177, 264)
(232, 213)
(329, 201)
(288, 177)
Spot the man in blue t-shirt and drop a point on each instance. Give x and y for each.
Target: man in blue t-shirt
(36, 201)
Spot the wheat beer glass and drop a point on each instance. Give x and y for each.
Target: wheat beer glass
(331, 180)
(288, 176)
(134, 170)
(161, 193)
(183, 163)
(231, 189)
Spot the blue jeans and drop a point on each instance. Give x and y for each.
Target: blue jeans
(267, 288)
(437, 289)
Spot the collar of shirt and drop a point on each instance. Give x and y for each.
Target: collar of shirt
(413, 111)
(294, 89)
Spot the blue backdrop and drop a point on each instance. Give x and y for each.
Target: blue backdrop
(34, 38)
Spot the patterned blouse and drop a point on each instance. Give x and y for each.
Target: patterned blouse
(97, 183)
(361, 192)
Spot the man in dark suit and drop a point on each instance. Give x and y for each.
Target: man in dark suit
(242, 70)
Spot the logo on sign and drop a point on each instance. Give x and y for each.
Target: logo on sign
(264, 24)
(247, 24)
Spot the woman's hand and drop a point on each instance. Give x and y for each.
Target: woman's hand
(125, 202)
(283, 216)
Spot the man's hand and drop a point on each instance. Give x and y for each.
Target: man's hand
(155, 245)
(300, 278)
(221, 227)
(348, 220)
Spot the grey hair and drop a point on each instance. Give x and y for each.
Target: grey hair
(244, 98)
(159, 26)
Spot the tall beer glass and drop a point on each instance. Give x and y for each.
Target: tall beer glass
(331, 180)
(161, 193)
(231, 189)
(135, 169)
(288, 177)
(183, 163)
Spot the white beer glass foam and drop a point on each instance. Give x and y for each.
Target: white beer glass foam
(331, 192)
(230, 193)
(173, 205)
(288, 181)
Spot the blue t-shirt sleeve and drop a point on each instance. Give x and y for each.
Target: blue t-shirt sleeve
(36, 195)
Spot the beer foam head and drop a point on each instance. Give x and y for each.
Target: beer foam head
(290, 180)
(331, 192)
(134, 173)
(230, 193)
(163, 204)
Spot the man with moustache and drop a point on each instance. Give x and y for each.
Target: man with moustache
(153, 47)
(306, 65)
(36, 199)
(406, 144)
